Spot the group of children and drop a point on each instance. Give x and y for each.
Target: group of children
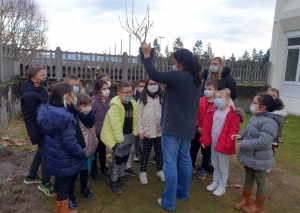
(73, 128)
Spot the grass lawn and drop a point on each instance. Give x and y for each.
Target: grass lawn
(283, 183)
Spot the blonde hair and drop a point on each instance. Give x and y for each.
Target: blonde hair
(225, 93)
(218, 75)
(273, 90)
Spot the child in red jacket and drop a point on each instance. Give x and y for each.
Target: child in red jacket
(218, 127)
(206, 104)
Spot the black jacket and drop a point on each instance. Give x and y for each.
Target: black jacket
(31, 98)
(227, 80)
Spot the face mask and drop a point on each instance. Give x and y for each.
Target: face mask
(140, 89)
(74, 101)
(219, 102)
(208, 93)
(109, 83)
(86, 110)
(44, 81)
(153, 88)
(127, 98)
(174, 67)
(252, 109)
(105, 93)
(214, 68)
(76, 89)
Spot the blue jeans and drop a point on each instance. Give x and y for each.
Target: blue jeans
(177, 168)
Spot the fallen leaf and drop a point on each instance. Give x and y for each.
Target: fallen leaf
(8, 129)
(286, 122)
(235, 186)
(18, 143)
(293, 141)
(6, 138)
(284, 181)
(280, 141)
(11, 178)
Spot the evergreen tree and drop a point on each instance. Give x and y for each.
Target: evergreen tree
(178, 44)
(255, 57)
(156, 47)
(208, 53)
(232, 58)
(266, 57)
(260, 56)
(197, 48)
(245, 57)
(167, 52)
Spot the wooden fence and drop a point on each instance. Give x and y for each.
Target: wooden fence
(60, 63)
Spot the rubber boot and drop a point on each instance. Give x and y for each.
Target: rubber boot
(63, 207)
(245, 199)
(257, 205)
(54, 198)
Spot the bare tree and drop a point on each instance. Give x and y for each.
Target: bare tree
(138, 30)
(23, 23)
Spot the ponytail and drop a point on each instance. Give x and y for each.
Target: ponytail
(269, 102)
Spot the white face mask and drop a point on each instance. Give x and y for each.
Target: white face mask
(85, 110)
(109, 83)
(140, 89)
(208, 93)
(105, 93)
(252, 109)
(153, 88)
(74, 101)
(214, 68)
(174, 67)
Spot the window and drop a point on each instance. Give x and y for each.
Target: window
(292, 67)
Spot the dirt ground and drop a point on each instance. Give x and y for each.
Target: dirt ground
(15, 196)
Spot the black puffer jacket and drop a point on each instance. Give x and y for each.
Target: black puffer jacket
(31, 98)
(227, 80)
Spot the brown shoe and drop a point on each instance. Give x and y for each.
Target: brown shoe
(63, 207)
(245, 199)
(54, 198)
(257, 205)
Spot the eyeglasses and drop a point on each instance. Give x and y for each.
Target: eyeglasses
(127, 93)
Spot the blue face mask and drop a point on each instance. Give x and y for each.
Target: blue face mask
(219, 102)
(76, 89)
(127, 98)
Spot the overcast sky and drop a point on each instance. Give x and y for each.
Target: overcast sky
(231, 26)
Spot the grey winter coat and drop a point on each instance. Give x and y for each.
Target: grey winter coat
(256, 151)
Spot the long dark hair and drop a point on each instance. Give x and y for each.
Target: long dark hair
(58, 91)
(269, 102)
(98, 85)
(190, 64)
(144, 94)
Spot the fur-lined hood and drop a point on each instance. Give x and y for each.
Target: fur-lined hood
(225, 73)
(54, 118)
(240, 112)
(282, 112)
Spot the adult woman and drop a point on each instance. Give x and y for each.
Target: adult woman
(218, 70)
(179, 113)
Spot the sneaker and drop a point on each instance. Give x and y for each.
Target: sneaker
(72, 202)
(202, 174)
(124, 182)
(106, 172)
(47, 189)
(87, 194)
(29, 180)
(159, 202)
(136, 158)
(219, 191)
(194, 170)
(131, 172)
(143, 178)
(114, 188)
(212, 186)
(161, 175)
(95, 175)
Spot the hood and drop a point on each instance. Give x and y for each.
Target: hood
(278, 118)
(225, 73)
(282, 112)
(240, 112)
(28, 86)
(54, 118)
